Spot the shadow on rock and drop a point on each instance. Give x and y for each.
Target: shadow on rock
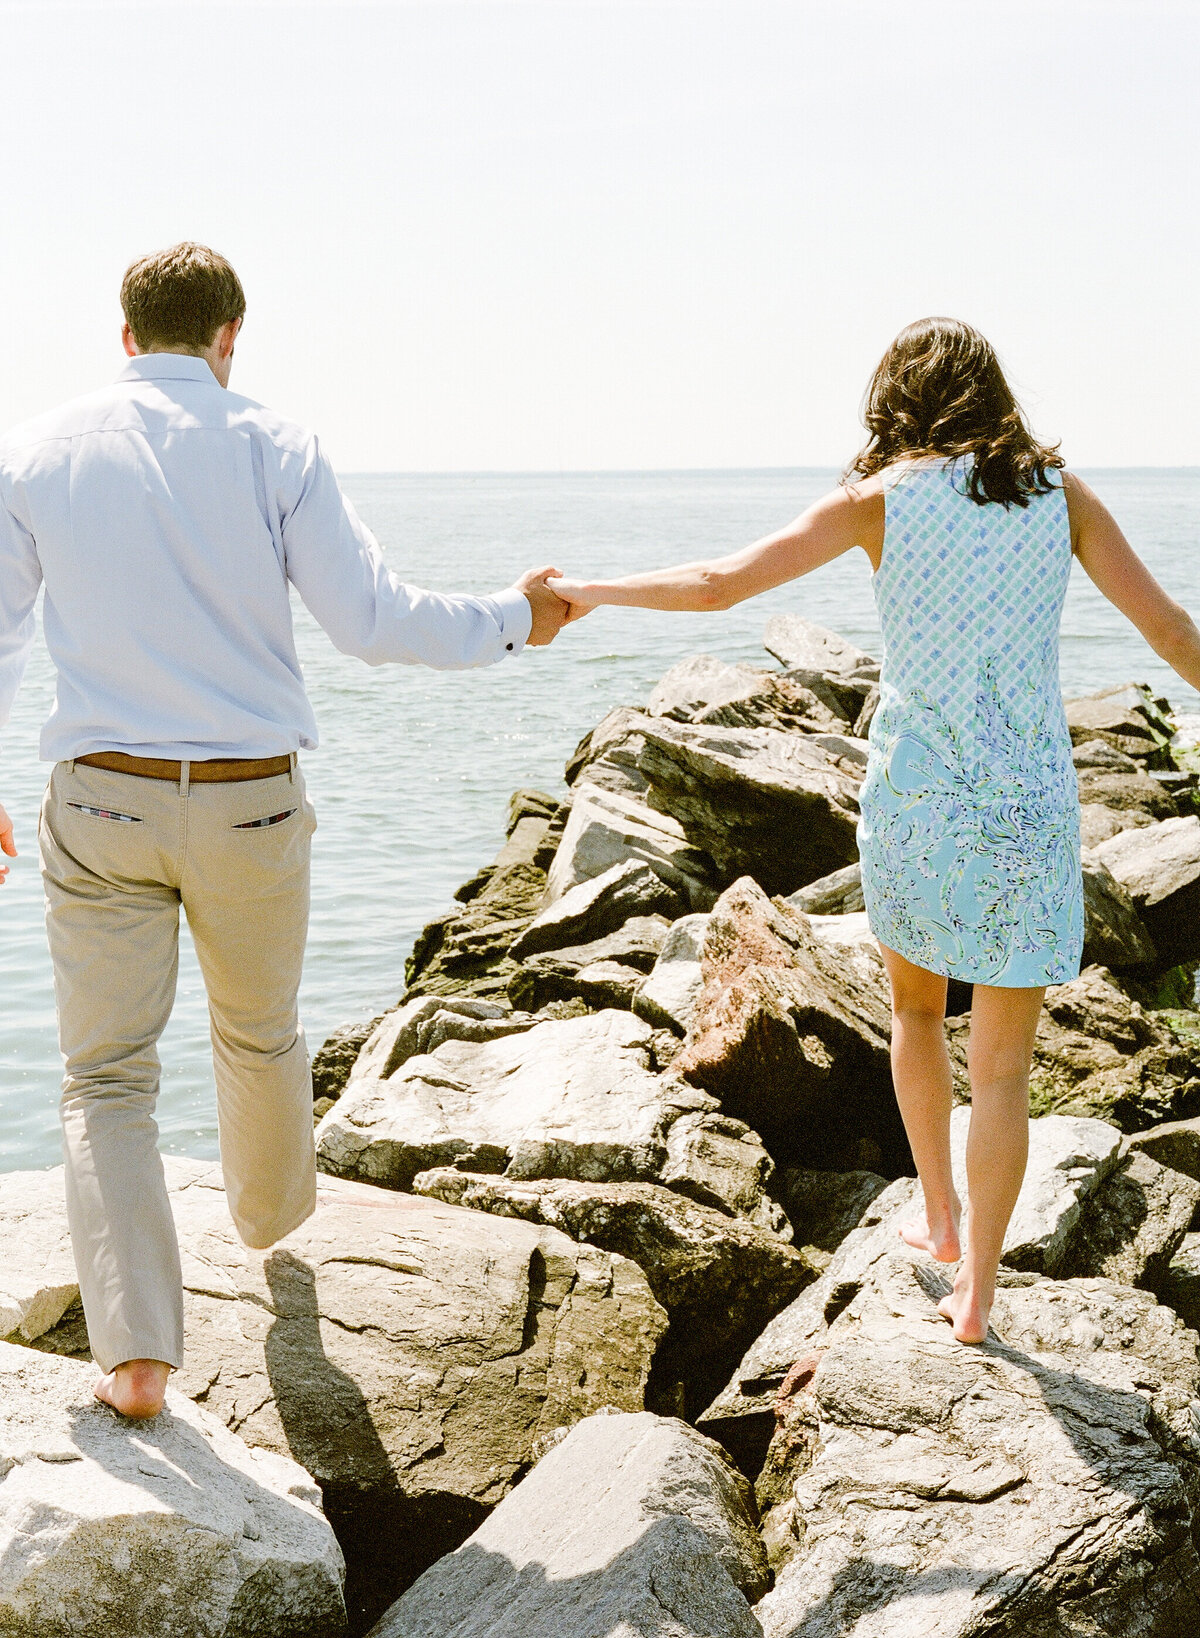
(387, 1537)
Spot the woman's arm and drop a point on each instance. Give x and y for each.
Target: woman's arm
(844, 518)
(1115, 569)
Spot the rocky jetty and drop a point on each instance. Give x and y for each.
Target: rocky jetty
(603, 1322)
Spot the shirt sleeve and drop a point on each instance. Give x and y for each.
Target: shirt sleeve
(20, 580)
(335, 564)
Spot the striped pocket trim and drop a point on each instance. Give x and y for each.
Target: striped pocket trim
(271, 819)
(105, 813)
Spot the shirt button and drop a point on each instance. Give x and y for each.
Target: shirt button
(508, 646)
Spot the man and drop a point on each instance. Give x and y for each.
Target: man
(166, 517)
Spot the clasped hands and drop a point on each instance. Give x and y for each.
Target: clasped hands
(551, 611)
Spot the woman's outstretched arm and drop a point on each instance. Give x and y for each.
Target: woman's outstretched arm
(844, 518)
(1115, 568)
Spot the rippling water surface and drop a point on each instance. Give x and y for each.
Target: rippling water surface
(415, 767)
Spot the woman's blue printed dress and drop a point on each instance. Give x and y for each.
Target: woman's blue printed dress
(970, 808)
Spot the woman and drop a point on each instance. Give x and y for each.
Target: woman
(970, 810)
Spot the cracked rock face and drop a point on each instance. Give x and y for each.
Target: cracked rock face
(577, 1097)
(789, 1018)
(413, 1356)
(719, 1278)
(173, 1527)
(1039, 1485)
(632, 1525)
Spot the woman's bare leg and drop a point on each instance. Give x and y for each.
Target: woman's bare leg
(1003, 1025)
(923, 1080)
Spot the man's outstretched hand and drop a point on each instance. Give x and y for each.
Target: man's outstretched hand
(8, 844)
(550, 613)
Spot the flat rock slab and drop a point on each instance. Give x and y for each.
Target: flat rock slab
(1069, 1159)
(1039, 1484)
(719, 1278)
(1159, 867)
(598, 907)
(632, 1525)
(412, 1355)
(422, 1024)
(576, 1097)
(112, 1529)
(834, 895)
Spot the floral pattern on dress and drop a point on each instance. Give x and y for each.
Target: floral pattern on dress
(970, 812)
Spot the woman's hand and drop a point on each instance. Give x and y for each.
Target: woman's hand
(581, 595)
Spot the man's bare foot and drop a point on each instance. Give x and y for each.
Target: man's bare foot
(941, 1240)
(136, 1389)
(967, 1312)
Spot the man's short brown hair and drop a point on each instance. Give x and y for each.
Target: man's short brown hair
(180, 297)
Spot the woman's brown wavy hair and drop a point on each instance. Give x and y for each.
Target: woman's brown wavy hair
(939, 390)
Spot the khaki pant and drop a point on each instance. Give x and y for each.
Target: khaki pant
(120, 854)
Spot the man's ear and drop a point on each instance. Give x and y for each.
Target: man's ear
(127, 341)
(226, 336)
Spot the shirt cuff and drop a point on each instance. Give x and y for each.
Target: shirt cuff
(516, 619)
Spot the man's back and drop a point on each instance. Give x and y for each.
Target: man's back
(151, 504)
(166, 516)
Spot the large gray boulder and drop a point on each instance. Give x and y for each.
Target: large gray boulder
(603, 973)
(1114, 935)
(789, 1018)
(1134, 1224)
(1159, 867)
(1127, 717)
(1176, 1143)
(414, 1356)
(800, 644)
(424, 1023)
(1069, 1159)
(174, 1527)
(1041, 1484)
(834, 895)
(632, 1525)
(598, 907)
(611, 822)
(719, 1278)
(703, 689)
(781, 806)
(825, 1207)
(667, 997)
(577, 1097)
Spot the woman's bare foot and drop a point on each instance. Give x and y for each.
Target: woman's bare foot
(941, 1239)
(967, 1312)
(136, 1389)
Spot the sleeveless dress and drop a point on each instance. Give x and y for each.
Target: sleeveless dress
(969, 836)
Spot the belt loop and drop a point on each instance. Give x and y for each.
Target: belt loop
(185, 779)
(70, 765)
(292, 760)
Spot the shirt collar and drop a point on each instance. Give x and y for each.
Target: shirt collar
(168, 367)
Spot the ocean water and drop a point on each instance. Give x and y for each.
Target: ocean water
(415, 767)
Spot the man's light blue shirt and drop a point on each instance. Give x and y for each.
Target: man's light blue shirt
(166, 517)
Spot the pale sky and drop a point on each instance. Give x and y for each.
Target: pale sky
(593, 234)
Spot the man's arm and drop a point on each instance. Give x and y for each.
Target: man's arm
(335, 564)
(20, 580)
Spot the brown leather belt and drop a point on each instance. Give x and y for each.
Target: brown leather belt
(199, 773)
